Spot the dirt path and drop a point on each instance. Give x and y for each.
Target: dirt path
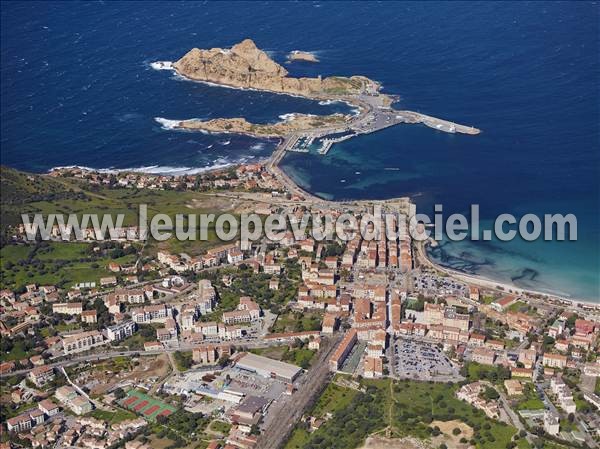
(388, 432)
(378, 442)
(158, 384)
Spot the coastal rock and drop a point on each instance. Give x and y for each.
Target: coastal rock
(246, 66)
(305, 56)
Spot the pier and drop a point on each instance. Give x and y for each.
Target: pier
(443, 125)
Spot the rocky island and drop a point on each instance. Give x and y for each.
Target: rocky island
(247, 67)
(305, 56)
(291, 124)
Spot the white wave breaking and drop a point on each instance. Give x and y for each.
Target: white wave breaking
(162, 65)
(218, 163)
(293, 115)
(167, 124)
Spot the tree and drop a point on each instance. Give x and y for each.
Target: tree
(183, 360)
(490, 394)
(452, 353)
(119, 393)
(161, 419)
(224, 361)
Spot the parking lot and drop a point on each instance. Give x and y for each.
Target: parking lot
(433, 285)
(422, 361)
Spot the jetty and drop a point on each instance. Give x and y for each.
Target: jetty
(443, 125)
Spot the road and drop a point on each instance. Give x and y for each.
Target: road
(96, 356)
(97, 404)
(509, 411)
(289, 410)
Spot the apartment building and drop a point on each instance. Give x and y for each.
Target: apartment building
(82, 341)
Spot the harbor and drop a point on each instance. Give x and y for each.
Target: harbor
(373, 117)
(320, 143)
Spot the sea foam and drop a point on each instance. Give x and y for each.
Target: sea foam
(166, 123)
(162, 65)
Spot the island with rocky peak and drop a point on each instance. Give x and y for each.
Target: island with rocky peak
(246, 66)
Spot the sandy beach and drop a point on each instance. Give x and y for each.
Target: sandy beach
(501, 286)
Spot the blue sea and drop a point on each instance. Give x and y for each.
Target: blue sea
(77, 89)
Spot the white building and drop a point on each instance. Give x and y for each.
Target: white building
(247, 311)
(563, 394)
(268, 368)
(235, 256)
(41, 375)
(83, 341)
(551, 423)
(120, 331)
(152, 314)
(207, 296)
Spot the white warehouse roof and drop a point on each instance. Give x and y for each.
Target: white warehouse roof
(267, 367)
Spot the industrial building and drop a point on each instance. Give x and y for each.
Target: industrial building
(268, 368)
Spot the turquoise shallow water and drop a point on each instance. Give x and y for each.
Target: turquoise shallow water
(77, 88)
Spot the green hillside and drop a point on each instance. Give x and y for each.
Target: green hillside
(18, 190)
(66, 263)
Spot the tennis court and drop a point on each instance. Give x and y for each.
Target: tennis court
(146, 405)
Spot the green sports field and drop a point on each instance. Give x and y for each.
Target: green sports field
(146, 406)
